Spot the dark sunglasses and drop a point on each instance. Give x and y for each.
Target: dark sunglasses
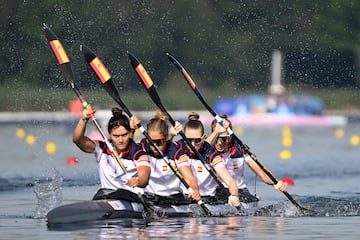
(158, 142)
(196, 140)
(223, 138)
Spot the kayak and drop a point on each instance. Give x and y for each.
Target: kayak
(92, 210)
(124, 205)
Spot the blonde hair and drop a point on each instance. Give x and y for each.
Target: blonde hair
(159, 123)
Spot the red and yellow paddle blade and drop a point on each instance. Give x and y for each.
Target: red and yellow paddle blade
(96, 64)
(56, 46)
(141, 72)
(60, 54)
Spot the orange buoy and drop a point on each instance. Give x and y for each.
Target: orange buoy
(75, 107)
(72, 161)
(288, 181)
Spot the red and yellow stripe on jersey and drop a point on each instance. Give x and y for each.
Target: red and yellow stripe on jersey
(217, 159)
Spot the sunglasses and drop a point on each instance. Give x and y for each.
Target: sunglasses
(197, 140)
(223, 138)
(158, 142)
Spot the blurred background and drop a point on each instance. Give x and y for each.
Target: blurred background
(226, 46)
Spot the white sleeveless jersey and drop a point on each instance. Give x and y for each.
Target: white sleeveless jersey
(207, 184)
(235, 165)
(111, 174)
(163, 180)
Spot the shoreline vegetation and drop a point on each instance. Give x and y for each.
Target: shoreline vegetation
(25, 98)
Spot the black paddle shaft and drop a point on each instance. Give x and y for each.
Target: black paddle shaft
(237, 142)
(66, 69)
(109, 86)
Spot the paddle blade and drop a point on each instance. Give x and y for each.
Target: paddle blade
(103, 76)
(56, 46)
(182, 70)
(60, 53)
(146, 81)
(96, 65)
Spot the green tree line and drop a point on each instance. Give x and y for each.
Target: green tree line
(223, 44)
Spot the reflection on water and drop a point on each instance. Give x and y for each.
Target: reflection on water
(181, 228)
(324, 167)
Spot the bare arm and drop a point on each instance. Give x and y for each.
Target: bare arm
(79, 138)
(142, 179)
(228, 179)
(191, 180)
(217, 131)
(264, 177)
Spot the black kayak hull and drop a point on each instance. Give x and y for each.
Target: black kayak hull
(108, 209)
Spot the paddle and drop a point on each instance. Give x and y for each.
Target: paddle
(150, 88)
(66, 69)
(237, 142)
(105, 78)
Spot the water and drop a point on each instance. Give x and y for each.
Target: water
(325, 169)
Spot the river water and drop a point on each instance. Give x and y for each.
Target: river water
(37, 172)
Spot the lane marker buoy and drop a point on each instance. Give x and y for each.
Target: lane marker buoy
(288, 181)
(239, 131)
(354, 140)
(20, 133)
(340, 133)
(285, 154)
(287, 141)
(72, 161)
(31, 139)
(50, 147)
(75, 107)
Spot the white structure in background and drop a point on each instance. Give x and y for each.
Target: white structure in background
(276, 69)
(277, 98)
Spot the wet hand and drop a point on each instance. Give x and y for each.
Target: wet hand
(280, 186)
(87, 112)
(219, 129)
(176, 129)
(195, 195)
(234, 201)
(133, 182)
(135, 122)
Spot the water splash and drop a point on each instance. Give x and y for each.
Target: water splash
(48, 193)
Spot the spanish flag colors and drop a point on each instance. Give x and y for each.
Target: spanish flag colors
(100, 70)
(144, 76)
(59, 51)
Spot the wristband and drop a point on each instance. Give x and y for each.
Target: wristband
(85, 119)
(247, 157)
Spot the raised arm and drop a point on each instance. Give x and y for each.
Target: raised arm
(83, 142)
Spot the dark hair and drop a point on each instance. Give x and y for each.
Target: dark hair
(159, 123)
(194, 122)
(223, 116)
(118, 119)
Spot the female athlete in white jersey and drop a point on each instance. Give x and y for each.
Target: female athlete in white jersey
(164, 186)
(114, 182)
(194, 131)
(235, 160)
